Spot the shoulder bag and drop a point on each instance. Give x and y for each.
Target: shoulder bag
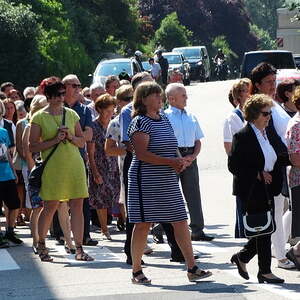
(35, 175)
(261, 223)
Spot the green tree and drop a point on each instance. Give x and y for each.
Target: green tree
(19, 56)
(171, 33)
(263, 13)
(265, 42)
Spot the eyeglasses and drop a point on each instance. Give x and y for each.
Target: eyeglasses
(75, 86)
(59, 94)
(266, 113)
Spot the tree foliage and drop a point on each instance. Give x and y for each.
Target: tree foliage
(207, 20)
(171, 33)
(263, 13)
(265, 42)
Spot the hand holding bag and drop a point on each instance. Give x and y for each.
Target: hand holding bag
(261, 223)
(35, 176)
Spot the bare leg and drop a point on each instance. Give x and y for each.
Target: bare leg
(64, 221)
(77, 220)
(11, 215)
(183, 239)
(138, 243)
(102, 216)
(35, 214)
(46, 217)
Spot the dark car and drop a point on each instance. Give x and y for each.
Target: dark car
(178, 62)
(115, 67)
(279, 59)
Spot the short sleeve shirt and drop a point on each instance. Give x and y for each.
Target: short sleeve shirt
(293, 145)
(231, 126)
(6, 172)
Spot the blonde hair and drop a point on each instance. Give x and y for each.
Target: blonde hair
(238, 87)
(296, 97)
(38, 102)
(123, 91)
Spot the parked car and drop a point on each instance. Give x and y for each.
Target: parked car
(177, 61)
(297, 60)
(198, 59)
(146, 66)
(279, 59)
(114, 67)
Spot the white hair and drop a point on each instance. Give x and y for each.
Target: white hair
(69, 77)
(28, 90)
(173, 88)
(96, 86)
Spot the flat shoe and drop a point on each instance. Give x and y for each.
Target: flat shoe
(196, 274)
(292, 257)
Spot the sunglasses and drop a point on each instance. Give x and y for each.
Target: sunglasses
(127, 99)
(75, 86)
(59, 94)
(266, 113)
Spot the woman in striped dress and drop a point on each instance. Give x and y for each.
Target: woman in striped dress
(153, 193)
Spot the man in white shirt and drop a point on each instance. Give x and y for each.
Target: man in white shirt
(188, 134)
(155, 69)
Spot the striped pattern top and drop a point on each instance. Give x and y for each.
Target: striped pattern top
(153, 190)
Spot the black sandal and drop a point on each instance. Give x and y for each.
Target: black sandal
(81, 255)
(43, 252)
(195, 274)
(142, 280)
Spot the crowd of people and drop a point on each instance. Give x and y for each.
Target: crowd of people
(113, 150)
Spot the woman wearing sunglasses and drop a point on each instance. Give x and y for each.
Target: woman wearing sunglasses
(253, 162)
(64, 177)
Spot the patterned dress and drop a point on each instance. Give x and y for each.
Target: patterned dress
(153, 192)
(103, 195)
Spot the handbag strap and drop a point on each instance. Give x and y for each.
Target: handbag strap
(55, 147)
(266, 192)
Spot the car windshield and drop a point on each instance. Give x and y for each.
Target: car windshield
(190, 53)
(173, 59)
(115, 68)
(146, 65)
(278, 60)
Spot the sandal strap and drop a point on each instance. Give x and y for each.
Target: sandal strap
(135, 274)
(193, 270)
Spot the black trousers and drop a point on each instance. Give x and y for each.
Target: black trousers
(261, 246)
(295, 191)
(168, 228)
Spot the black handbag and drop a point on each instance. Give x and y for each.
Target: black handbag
(261, 223)
(35, 175)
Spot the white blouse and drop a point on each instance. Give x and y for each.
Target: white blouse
(266, 147)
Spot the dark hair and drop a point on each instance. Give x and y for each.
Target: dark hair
(15, 116)
(230, 98)
(255, 104)
(144, 90)
(27, 103)
(138, 78)
(261, 71)
(104, 101)
(45, 82)
(2, 96)
(151, 59)
(4, 85)
(52, 88)
(287, 85)
(110, 79)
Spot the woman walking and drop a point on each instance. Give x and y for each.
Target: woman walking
(64, 177)
(153, 193)
(253, 162)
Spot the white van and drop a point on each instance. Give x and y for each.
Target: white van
(198, 59)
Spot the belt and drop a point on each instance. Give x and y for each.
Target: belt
(186, 149)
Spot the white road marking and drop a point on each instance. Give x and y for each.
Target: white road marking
(278, 289)
(7, 262)
(100, 254)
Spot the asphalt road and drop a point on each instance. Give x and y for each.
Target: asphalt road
(23, 276)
